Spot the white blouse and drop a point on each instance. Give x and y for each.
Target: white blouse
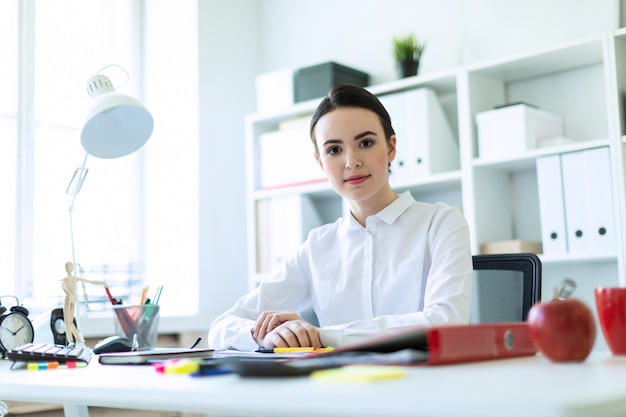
(410, 266)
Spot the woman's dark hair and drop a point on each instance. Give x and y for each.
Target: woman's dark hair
(348, 95)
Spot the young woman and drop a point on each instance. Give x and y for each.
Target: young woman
(393, 263)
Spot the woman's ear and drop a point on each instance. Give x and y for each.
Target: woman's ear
(319, 160)
(391, 152)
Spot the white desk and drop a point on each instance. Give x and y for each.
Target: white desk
(529, 386)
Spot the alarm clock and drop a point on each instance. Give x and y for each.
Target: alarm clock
(16, 328)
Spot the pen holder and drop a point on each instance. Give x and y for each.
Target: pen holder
(141, 320)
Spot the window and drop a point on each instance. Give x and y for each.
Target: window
(8, 144)
(135, 219)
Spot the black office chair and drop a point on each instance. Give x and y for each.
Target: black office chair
(505, 287)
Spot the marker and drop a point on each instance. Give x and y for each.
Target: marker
(292, 349)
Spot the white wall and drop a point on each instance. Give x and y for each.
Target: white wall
(359, 32)
(228, 63)
(241, 38)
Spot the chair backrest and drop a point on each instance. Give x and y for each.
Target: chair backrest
(505, 286)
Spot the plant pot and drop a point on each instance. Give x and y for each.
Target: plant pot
(408, 68)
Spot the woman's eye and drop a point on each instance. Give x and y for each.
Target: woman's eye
(366, 143)
(333, 150)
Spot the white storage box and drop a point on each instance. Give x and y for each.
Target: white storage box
(287, 159)
(513, 129)
(274, 91)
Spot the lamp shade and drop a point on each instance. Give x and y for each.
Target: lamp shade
(117, 124)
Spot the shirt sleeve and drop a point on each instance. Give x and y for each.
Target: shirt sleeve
(287, 290)
(232, 329)
(447, 292)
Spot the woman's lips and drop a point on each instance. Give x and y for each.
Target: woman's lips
(356, 179)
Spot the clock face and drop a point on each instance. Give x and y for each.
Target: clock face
(15, 330)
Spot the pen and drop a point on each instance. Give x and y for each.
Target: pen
(196, 343)
(158, 294)
(291, 349)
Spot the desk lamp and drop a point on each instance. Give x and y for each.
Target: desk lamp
(117, 125)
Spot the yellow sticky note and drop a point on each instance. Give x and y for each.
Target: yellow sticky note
(359, 373)
(183, 366)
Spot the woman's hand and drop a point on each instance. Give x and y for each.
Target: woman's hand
(294, 333)
(269, 320)
(285, 329)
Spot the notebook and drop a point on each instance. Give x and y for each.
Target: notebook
(142, 357)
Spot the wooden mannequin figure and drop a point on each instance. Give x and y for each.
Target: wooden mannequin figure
(69, 308)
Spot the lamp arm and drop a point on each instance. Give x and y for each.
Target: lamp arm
(76, 182)
(73, 188)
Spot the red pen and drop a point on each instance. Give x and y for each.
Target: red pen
(129, 327)
(114, 301)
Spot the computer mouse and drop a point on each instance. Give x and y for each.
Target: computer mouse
(113, 344)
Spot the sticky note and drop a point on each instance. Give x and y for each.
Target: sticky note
(184, 366)
(359, 373)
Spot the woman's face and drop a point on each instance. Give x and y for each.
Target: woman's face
(354, 153)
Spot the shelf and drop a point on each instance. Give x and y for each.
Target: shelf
(441, 83)
(527, 161)
(548, 61)
(498, 195)
(297, 110)
(620, 33)
(315, 189)
(435, 182)
(577, 259)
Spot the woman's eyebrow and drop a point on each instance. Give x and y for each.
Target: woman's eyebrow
(366, 133)
(332, 141)
(357, 137)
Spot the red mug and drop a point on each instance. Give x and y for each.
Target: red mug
(611, 308)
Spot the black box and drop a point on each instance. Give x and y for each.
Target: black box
(316, 81)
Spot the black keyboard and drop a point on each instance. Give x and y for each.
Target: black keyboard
(45, 352)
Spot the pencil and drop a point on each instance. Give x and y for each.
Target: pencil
(291, 349)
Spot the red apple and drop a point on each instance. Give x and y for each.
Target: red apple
(562, 330)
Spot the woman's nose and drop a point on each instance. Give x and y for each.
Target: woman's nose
(352, 160)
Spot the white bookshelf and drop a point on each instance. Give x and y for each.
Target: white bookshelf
(583, 81)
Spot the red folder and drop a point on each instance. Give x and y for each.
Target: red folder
(455, 343)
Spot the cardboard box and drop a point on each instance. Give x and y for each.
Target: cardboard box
(316, 81)
(509, 130)
(511, 246)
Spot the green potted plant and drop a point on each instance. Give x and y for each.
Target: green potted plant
(407, 51)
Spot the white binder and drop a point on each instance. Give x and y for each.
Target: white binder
(589, 202)
(551, 206)
(396, 107)
(433, 146)
(426, 144)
